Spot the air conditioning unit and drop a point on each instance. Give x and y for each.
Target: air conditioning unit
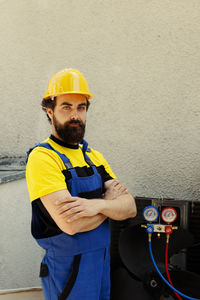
(133, 275)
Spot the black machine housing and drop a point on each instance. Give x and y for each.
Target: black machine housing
(133, 275)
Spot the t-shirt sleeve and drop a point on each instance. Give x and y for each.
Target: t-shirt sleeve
(44, 173)
(107, 172)
(110, 174)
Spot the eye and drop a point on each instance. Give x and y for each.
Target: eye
(81, 108)
(66, 107)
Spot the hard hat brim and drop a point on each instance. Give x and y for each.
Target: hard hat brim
(88, 95)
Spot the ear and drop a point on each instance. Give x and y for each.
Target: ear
(49, 112)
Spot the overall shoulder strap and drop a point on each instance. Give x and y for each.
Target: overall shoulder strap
(64, 158)
(85, 149)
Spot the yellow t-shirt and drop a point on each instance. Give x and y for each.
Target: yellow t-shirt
(44, 168)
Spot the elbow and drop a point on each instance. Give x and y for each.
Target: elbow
(134, 214)
(134, 210)
(70, 229)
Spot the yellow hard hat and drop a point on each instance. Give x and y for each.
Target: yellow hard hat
(67, 81)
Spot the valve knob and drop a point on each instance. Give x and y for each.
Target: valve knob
(150, 228)
(168, 229)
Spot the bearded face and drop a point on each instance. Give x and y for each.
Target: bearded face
(71, 132)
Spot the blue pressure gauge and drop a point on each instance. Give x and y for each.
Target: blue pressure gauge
(150, 213)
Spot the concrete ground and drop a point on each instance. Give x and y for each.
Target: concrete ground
(23, 295)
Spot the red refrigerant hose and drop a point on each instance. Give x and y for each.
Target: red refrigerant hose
(166, 267)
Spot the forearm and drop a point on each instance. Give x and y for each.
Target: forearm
(54, 201)
(87, 223)
(81, 224)
(120, 208)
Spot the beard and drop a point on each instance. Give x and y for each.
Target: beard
(68, 133)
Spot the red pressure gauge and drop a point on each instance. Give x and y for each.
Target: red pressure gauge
(168, 215)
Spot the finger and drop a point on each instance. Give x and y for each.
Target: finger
(114, 183)
(122, 188)
(67, 207)
(118, 188)
(76, 217)
(70, 211)
(124, 191)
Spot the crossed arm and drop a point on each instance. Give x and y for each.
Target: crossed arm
(75, 214)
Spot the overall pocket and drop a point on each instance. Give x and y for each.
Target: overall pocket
(44, 270)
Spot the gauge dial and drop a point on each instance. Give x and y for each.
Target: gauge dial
(150, 213)
(169, 214)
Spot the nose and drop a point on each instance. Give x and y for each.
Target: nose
(74, 115)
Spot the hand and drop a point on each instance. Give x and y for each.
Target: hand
(77, 207)
(115, 190)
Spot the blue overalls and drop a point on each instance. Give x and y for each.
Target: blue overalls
(77, 267)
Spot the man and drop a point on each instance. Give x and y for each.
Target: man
(73, 193)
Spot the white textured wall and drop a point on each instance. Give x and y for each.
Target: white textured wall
(20, 256)
(142, 61)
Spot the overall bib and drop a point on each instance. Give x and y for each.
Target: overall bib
(77, 267)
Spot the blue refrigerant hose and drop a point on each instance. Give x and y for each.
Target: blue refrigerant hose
(163, 278)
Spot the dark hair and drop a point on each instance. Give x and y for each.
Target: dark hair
(51, 103)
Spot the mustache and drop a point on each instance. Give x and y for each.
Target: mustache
(74, 122)
(80, 123)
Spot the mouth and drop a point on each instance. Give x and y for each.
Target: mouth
(74, 124)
